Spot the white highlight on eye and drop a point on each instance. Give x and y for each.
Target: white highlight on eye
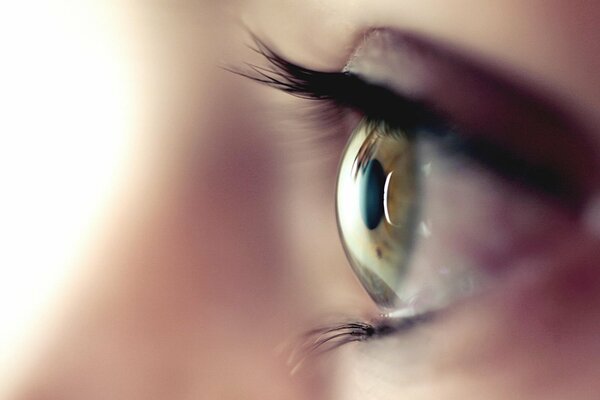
(404, 312)
(426, 168)
(385, 199)
(424, 230)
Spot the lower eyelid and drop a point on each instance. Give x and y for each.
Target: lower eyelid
(529, 313)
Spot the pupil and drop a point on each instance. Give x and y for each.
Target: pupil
(371, 194)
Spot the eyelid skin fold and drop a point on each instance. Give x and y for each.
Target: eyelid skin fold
(409, 81)
(482, 102)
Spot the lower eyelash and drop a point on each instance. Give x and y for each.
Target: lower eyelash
(330, 337)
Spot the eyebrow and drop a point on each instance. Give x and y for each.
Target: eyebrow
(423, 83)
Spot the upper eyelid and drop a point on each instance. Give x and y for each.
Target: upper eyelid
(423, 76)
(482, 99)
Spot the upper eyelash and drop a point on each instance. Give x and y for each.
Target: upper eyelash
(343, 89)
(292, 78)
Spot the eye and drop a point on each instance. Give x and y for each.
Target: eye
(423, 223)
(406, 245)
(376, 202)
(437, 199)
(455, 176)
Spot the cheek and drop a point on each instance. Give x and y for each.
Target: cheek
(534, 337)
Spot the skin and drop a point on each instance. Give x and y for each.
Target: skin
(218, 242)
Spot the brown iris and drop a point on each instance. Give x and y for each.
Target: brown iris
(376, 207)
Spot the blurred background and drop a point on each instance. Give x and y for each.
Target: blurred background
(166, 226)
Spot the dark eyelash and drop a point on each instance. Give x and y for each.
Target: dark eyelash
(330, 337)
(342, 89)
